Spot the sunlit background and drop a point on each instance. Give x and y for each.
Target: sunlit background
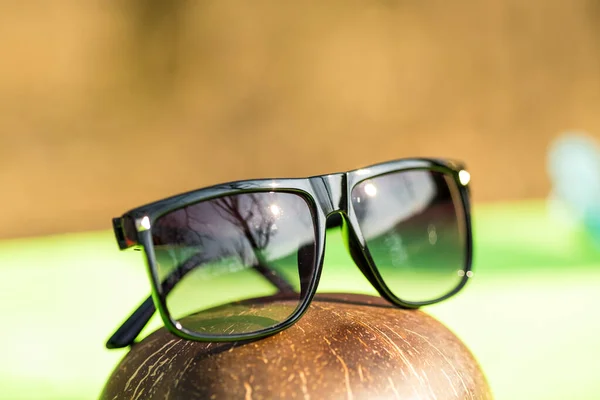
(106, 105)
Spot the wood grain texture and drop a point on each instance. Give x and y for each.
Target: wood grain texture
(345, 347)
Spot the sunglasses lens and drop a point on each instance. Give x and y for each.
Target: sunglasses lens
(414, 226)
(236, 264)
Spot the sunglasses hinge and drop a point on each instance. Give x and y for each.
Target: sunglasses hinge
(124, 230)
(119, 233)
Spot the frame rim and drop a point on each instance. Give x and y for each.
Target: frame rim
(173, 325)
(321, 205)
(463, 193)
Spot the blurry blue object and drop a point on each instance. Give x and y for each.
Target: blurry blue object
(574, 168)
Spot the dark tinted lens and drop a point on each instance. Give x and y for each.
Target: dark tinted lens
(236, 264)
(414, 227)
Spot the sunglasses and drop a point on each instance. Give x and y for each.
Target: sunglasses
(242, 260)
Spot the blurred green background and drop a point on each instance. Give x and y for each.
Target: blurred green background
(106, 105)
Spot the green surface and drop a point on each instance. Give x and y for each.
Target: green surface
(529, 315)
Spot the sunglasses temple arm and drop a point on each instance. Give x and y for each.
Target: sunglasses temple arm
(126, 334)
(131, 328)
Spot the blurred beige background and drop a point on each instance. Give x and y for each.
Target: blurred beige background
(105, 105)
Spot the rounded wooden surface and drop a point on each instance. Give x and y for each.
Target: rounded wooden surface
(344, 347)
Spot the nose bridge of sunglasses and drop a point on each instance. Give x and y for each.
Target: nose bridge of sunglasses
(330, 191)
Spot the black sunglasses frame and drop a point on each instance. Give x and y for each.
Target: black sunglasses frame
(326, 195)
